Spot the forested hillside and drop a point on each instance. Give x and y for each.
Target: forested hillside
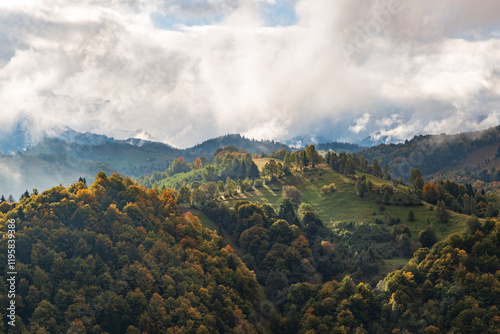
(55, 160)
(114, 257)
(117, 258)
(452, 288)
(440, 153)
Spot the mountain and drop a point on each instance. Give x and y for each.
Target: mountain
(314, 262)
(338, 147)
(323, 144)
(304, 140)
(64, 158)
(371, 141)
(464, 153)
(117, 258)
(87, 138)
(208, 147)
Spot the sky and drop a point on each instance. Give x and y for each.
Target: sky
(186, 71)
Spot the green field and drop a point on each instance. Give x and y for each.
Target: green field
(345, 205)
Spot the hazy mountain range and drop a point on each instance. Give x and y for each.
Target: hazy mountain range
(62, 158)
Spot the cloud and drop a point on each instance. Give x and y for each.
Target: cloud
(360, 124)
(186, 71)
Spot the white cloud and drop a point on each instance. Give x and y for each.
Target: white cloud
(108, 66)
(360, 124)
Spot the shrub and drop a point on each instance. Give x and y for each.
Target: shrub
(394, 221)
(411, 216)
(328, 189)
(293, 193)
(258, 183)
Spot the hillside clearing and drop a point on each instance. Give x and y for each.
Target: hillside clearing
(344, 204)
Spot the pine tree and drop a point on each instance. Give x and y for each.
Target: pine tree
(253, 172)
(442, 213)
(411, 216)
(376, 170)
(361, 187)
(416, 181)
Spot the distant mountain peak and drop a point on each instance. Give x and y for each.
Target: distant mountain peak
(144, 135)
(304, 140)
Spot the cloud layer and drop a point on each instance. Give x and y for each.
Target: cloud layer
(186, 71)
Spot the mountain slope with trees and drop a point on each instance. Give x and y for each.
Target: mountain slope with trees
(464, 157)
(117, 258)
(114, 257)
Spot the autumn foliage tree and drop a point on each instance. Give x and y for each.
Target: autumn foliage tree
(117, 258)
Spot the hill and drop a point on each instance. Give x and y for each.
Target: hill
(468, 154)
(383, 212)
(448, 289)
(117, 258)
(344, 205)
(208, 147)
(340, 147)
(63, 161)
(316, 272)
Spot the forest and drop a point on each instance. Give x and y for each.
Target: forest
(117, 258)
(114, 256)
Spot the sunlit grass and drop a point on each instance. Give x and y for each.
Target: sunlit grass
(345, 205)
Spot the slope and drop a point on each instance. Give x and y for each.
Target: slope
(438, 153)
(344, 205)
(57, 161)
(116, 258)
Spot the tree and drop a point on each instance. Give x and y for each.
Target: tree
(212, 190)
(286, 209)
(430, 193)
(253, 171)
(46, 316)
(416, 181)
(411, 215)
(376, 170)
(293, 193)
(349, 167)
(472, 224)
(470, 206)
(197, 164)
(428, 236)
(311, 155)
(442, 213)
(361, 187)
(177, 166)
(199, 196)
(209, 174)
(220, 187)
(230, 186)
(387, 176)
(363, 164)
(302, 159)
(281, 232)
(184, 195)
(271, 170)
